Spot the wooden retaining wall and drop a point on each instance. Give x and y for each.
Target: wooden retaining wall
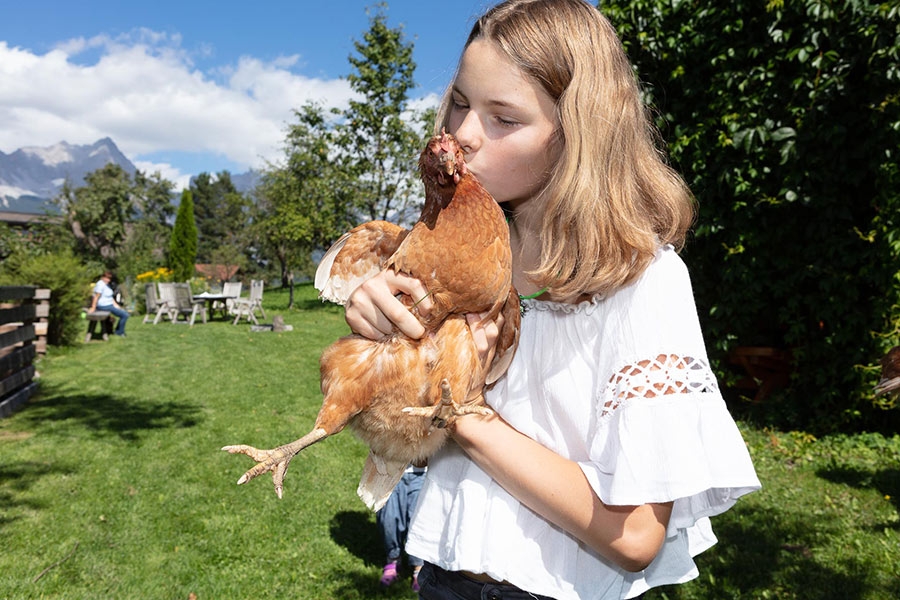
(23, 335)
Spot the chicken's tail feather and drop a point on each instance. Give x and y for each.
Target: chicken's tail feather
(379, 477)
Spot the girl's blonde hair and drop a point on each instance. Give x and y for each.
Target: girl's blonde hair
(612, 199)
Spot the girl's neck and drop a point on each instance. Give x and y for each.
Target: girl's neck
(526, 253)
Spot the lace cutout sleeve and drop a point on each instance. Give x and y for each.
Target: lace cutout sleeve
(665, 374)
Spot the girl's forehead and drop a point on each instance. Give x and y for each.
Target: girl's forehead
(486, 72)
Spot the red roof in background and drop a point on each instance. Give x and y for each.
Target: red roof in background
(217, 272)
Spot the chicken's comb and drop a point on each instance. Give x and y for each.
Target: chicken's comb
(446, 141)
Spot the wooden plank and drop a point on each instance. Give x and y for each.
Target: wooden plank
(20, 334)
(42, 310)
(40, 329)
(17, 292)
(17, 359)
(10, 404)
(42, 294)
(18, 314)
(16, 380)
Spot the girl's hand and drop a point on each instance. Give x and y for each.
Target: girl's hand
(373, 309)
(485, 333)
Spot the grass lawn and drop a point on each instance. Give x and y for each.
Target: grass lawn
(112, 484)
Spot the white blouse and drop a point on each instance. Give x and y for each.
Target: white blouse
(622, 385)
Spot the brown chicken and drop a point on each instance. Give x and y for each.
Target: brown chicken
(890, 373)
(398, 394)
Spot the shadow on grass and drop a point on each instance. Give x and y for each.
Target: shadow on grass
(885, 481)
(316, 304)
(758, 552)
(356, 531)
(18, 478)
(362, 585)
(106, 414)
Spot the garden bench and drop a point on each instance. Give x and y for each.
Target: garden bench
(104, 318)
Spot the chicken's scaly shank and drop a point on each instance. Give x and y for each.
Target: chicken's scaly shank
(459, 249)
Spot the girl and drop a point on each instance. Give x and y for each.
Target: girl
(611, 444)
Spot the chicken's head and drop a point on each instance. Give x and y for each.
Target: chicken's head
(443, 161)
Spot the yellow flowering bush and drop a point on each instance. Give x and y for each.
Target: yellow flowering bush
(160, 274)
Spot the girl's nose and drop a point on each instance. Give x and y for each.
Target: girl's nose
(468, 134)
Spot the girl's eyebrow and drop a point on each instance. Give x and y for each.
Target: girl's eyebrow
(492, 102)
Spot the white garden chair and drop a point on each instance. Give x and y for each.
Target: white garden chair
(245, 307)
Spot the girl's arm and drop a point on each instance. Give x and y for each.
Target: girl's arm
(556, 488)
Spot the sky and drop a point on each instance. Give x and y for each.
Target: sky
(184, 86)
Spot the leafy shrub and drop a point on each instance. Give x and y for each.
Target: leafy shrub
(69, 282)
(784, 118)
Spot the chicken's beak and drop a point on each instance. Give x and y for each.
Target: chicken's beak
(448, 161)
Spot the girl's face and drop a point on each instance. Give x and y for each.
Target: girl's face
(505, 123)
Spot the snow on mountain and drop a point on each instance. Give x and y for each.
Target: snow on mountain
(52, 155)
(31, 176)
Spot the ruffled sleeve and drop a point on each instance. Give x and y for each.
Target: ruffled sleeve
(661, 429)
(675, 447)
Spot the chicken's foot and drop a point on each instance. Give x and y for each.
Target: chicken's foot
(275, 460)
(447, 410)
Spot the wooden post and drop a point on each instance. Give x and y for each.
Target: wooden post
(23, 334)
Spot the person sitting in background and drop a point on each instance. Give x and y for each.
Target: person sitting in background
(104, 299)
(393, 521)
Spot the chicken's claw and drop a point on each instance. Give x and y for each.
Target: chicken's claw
(275, 460)
(447, 410)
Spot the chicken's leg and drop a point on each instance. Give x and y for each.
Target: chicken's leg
(276, 459)
(447, 410)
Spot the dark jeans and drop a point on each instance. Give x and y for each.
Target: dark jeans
(437, 584)
(123, 316)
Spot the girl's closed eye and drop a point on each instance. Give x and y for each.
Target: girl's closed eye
(506, 122)
(458, 102)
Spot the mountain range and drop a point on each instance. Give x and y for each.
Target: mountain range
(32, 176)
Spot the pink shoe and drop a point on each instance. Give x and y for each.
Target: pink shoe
(389, 574)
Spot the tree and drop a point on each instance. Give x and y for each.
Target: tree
(785, 119)
(307, 201)
(183, 246)
(96, 214)
(222, 217)
(147, 237)
(153, 196)
(112, 221)
(381, 146)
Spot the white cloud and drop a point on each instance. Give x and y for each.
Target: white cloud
(145, 93)
(181, 180)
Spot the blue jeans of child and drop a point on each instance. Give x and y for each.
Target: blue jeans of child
(118, 312)
(393, 519)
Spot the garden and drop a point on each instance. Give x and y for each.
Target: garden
(112, 483)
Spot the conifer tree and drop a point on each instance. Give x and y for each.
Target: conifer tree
(183, 245)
